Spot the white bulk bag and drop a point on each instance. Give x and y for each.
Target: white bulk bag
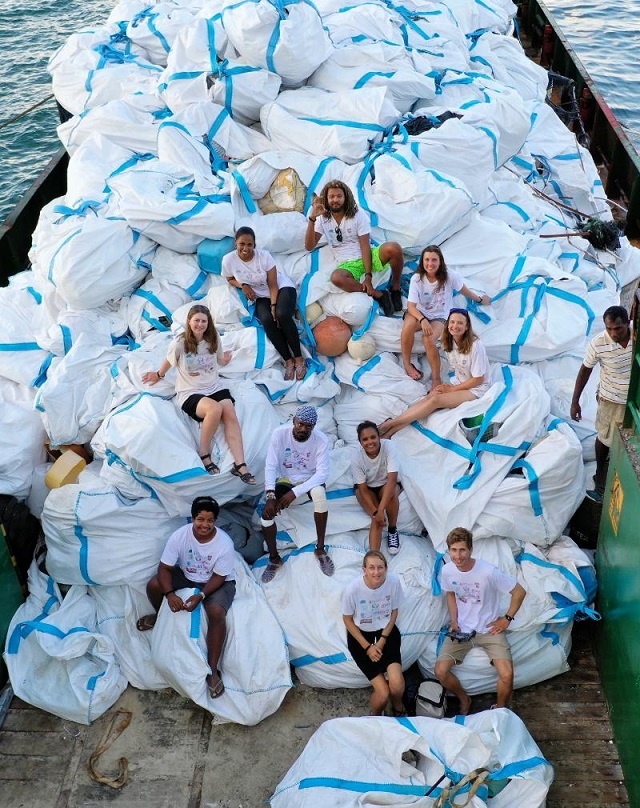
(89, 254)
(164, 204)
(151, 306)
(353, 762)
(22, 359)
(56, 658)
(286, 38)
(307, 604)
(254, 663)
(154, 28)
(336, 124)
(97, 536)
(22, 440)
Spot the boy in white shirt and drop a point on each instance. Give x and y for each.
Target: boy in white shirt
(474, 593)
(297, 465)
(375, 478)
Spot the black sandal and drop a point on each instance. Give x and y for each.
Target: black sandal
(246, 476)
(209, 467)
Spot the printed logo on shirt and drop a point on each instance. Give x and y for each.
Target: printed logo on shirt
(195, 364)
(467, 592)
(374, 611)
(198, 563)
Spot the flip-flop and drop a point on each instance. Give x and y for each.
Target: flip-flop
(209, 467)
(146, 622)
(398, 713)
(246, 476)
(326, 564)
(215, 686)
(270, 570)
(419, 372)
(289, 372)
(301, 371)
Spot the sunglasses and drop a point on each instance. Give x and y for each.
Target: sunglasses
(338, 233)
(458, 311)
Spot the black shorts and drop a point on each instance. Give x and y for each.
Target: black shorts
(390, 654)
(283, 487)
(191, 403)
(223, 596)
(378, 489)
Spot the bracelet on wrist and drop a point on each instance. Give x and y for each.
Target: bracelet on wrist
(384, 636)
(421, 320)
(160, 375)
(271, 495)
(368, 274)
(313, 221)
(509, 618)
(367, 648)
(170, 592)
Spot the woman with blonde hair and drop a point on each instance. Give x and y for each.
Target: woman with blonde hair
(467, 358)
(197, 355)
(370, 610)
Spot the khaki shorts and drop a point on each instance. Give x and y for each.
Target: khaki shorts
(495, 645)
(609, 417)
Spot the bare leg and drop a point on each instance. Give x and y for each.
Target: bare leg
(433, 355)
(344, 280)
(216, 632)
(504, 669)
(232, 432)
(321, 529)
(396, 686)
(369, 503)
(393, 508)
(409, 328)
(451, 682)
(211, 412)
(391, 253)
(424, 408)
(380, 695)
(154, 593)
(269, 535)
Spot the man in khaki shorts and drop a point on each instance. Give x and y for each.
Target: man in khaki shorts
(474, 591)
(611, 349)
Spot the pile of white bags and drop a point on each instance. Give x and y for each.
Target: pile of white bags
(185, 115)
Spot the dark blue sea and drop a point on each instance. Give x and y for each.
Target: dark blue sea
(606, 37)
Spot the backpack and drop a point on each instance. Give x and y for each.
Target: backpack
(431, 700)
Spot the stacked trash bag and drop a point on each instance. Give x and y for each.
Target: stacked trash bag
(194, 117)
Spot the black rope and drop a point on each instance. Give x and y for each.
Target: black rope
(25, 112)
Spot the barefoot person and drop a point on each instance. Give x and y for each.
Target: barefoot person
(196, 355)
(370, 610)
(336, 216)
(475, 590)
(467, 358)
(297, 466)
(254, 272)
(430, 297)
(375, 477)
(199, 556)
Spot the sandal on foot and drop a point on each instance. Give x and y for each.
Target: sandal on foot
(270, 570)
(398, 713)
(209, 467)
(246, 476)
(147, 622)
(215, 685)
(326, 564)
(289, 372)
(301, 371)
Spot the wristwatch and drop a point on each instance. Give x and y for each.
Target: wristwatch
(509, 618)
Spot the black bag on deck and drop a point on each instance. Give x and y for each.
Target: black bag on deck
(21, 531)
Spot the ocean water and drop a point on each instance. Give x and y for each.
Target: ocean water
(605, 37)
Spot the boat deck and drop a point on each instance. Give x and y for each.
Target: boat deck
(179, 759)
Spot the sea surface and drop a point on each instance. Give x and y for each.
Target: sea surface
(605, 36)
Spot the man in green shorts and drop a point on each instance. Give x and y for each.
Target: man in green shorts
(336, 216)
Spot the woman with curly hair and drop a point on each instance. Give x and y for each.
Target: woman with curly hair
(336, 216)
(196, 355)
(468, 360)
(430, 297)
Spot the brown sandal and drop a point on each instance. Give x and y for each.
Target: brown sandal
(301, 370)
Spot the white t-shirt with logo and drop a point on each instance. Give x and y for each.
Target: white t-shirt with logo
(304, 463)
(373, 471)
(470, 366)
(200, 561)
(479, 593)
(349, 248)
(254, 272)
(434, 303)
(196, 373)
(371, 608)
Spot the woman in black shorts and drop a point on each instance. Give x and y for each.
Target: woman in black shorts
(197, 354)
(369, 610)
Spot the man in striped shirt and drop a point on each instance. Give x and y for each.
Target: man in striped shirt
(611, 349)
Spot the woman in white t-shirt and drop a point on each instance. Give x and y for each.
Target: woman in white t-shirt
(467, 358)
(370, 610)
(430, 297)
(196, 356)
(254, 272)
